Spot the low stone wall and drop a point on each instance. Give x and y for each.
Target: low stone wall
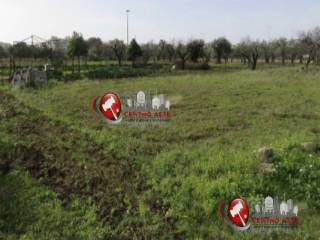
(29, 78)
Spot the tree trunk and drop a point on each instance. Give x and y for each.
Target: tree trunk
(254, 63)
(301, 59)
(308, 62)
(218, 59)
(72, 65)
(183, 63)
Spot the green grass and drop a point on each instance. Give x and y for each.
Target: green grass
(30, 210)
(179, 172)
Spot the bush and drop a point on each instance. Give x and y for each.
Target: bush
(199, 66)
(71, 76)
(117, 72)
(193, 66)
(297, 175)
(58, 75)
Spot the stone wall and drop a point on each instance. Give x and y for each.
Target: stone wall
(29, 78)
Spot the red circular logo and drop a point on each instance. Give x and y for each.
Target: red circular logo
(110, 106)
(238, 212)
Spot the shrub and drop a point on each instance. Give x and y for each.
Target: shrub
(71, 76)
(116, 72)
(297, 175)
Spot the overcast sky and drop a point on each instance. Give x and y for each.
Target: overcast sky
(157, 19)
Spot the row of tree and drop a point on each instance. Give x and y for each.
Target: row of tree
(305, 49)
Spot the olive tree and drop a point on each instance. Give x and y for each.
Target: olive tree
(170, 50)
(77, 48)
(293, 50)
(95, 48)
(3, 52)
(134, 51)
(195, 49)
(182, 53)
(118, 49)
(282, 45)
(161, 50)
(266, 51)
(149, 52)
(222, 49)
(21, 50)
(249, 50)
(311, 44)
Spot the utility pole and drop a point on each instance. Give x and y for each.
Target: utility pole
(128, 11)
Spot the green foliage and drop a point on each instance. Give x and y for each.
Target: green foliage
(71, 77)
(21, 50)
(222, 49)
(3, 52)
(77, 46)
(95, 48)
(134, 51)
(195, 49)
(156, 182)
(249, 51)
(29, 210)
(119, 72)
(119, 49)
(182, 53)
(298, 173)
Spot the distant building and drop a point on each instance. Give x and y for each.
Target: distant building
(58, 43)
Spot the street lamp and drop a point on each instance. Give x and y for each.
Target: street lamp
(128, 11)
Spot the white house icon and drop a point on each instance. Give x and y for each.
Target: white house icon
(156, 102)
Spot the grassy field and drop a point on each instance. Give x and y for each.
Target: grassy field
(152, 182)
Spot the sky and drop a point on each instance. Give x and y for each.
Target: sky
(157, 19)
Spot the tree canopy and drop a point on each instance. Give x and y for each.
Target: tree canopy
(134, 51)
